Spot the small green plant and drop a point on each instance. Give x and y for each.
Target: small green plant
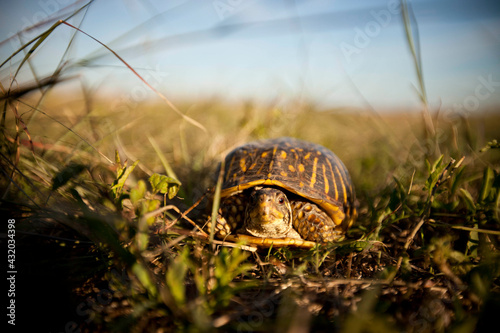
(123, 171)
(166, 185)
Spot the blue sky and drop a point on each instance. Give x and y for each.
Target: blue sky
(334, 53)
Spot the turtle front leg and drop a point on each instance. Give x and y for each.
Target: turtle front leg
(230, 216)
(313, 224)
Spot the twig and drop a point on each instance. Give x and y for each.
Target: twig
(203, 236)
(171, 207)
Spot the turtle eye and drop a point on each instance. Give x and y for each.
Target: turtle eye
(281, 200)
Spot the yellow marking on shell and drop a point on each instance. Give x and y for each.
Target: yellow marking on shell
(229, 168)
(347, 184)
(291, 168)
(313, 177)
(252, 166)
(307, 156)
(341, 183)
(274, 150)
(269, 175)
(260, 169)
(301, 167)
(325, 179)
(272, 159)
(284, 174)
(264, 154)
(243, 166)
(333, 177)
(301, 184)
(283, 154)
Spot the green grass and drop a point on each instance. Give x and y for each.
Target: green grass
(103, 242)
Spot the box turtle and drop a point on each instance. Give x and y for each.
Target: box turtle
(285, 188)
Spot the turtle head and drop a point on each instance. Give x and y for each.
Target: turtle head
(268, 213)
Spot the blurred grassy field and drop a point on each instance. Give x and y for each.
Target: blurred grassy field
(391, 144)
(84, 247)
(102, 247)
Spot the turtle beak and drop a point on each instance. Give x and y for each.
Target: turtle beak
(267, 214)
(264, 209)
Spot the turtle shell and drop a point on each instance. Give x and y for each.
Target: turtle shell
(306, 169)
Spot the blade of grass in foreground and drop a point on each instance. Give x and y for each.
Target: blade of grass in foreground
(416, 56)
(165, 99)
(216, 203)
(168, 169)
(39, 40)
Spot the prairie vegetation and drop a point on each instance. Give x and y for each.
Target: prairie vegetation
(99, 192)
